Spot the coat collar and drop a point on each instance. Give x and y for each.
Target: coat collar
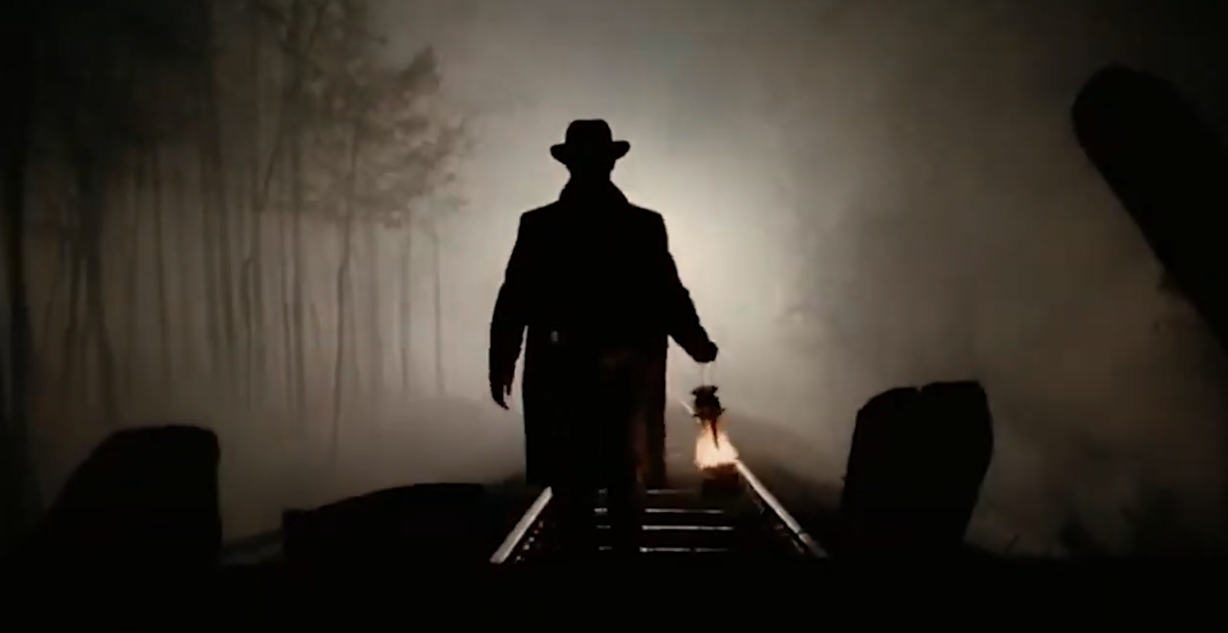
(606, 193)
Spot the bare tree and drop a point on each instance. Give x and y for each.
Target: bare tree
(260, 174)
(379, 150)
(166, 366)
(78, 71)
(431, 227)
(90, 51)
(302, 32)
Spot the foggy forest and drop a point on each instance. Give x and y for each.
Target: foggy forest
(287, 221)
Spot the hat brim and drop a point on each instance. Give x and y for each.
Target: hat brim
(566, 154)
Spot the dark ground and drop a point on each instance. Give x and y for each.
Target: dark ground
(814, 506)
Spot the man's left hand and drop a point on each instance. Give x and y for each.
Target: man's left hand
(706, 354)
(500, 388)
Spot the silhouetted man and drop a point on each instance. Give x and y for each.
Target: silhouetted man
(592, 279)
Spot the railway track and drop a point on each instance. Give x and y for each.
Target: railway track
(717, 513)
(729, 516)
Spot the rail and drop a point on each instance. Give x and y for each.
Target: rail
(519, 543)
(799, 534)
(516, 537)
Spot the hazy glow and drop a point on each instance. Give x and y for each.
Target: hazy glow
(714, 450)
(860, 195)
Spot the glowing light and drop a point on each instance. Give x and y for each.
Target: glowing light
(713, 449)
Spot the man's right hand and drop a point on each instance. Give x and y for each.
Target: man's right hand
(705, 354)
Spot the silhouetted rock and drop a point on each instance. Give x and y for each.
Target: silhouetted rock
(145, 498)
(1167, 167)
(915, 468)
(398, 528)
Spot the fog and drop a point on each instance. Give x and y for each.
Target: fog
(860, 195)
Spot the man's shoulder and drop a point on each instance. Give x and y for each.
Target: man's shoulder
(536, 216)
(646, 216)
(550, 213)
(645, 213)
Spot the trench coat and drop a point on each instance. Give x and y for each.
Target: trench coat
(592, 280)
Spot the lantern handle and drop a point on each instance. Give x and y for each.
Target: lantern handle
(705, 373)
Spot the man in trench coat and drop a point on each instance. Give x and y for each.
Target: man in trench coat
(592, 279)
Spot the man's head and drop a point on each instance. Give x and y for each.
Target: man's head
(590, 151)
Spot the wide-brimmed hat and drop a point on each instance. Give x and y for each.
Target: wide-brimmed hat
(589, 139)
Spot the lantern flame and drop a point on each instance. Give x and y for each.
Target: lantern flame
(713, 448)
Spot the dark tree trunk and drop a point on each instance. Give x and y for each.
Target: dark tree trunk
(132, 289)
(298, 44)
(164, 320)
(375, 324)
(259, 189)
(343, 290)
(214, 182)
(209, 263)
(343, 323)
(437, 299)
(184, 235)
(63, 263)
(72, 336)
(406, 330)
(287, 311)
(91, 208)
(18, 496)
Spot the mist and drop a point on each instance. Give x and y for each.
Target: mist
(287, 221)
